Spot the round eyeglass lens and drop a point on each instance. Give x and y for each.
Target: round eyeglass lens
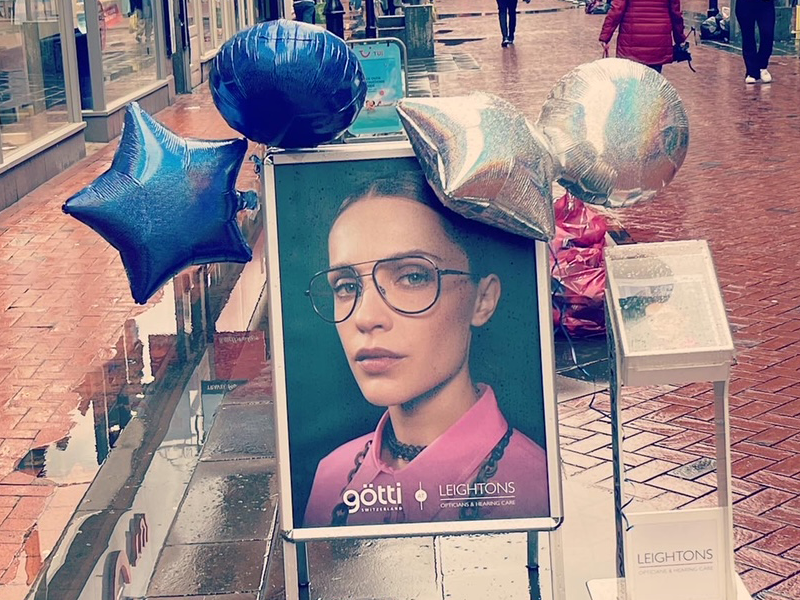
(409, 284)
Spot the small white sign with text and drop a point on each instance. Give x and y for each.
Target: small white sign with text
(676, 555)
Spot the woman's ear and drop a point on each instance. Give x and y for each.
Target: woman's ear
(489, 290)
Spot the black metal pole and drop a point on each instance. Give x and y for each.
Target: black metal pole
(371, 30)
(334, 17)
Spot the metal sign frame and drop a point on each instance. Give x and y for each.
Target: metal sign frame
(335, 153)
(382, 136)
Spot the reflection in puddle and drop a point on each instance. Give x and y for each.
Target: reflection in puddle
(178, 324)
(171, 368)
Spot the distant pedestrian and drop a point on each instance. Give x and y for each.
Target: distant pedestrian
(750, 13)
(507, 12)
(648, 30)
(305, 10)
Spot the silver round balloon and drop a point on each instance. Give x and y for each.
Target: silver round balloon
(618, 130)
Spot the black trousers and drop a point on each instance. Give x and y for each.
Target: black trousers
(750, 13)
(508, 18)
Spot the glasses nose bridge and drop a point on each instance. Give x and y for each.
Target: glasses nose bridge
(363, 278)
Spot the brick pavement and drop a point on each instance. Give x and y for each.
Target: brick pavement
(739, 189)
(64, 300)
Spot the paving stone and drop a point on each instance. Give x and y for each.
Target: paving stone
(779, 541)
(756, 580)
(680, 486)
(199, 569)
(649, 470)
(763, 501)
(766, 561)
(226, 501)
(241, 431)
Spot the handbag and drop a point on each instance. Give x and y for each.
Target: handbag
(680, 52)
(597, 7)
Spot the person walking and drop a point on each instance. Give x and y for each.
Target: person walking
(750, 13)
(305, 11)
(507, 12)
(648, 30)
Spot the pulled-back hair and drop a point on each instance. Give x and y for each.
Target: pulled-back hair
(468, 234)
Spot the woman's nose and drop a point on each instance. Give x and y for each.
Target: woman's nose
(371, 309)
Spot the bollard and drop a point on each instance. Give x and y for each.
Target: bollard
(371, 29)
(334, 17)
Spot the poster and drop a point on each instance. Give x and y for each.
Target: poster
(413, 355)
(382, 62)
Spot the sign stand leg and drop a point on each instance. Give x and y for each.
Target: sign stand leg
(724, 495)
(295, 570)
(556, 547)
(619, 474)
(533, 550)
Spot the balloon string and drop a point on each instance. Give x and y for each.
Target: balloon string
(258, 164)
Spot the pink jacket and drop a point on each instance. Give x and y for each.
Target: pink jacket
(648, 29)
(438, 483)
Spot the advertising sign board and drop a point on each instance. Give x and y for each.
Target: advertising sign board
(383, 64)
(412, 354)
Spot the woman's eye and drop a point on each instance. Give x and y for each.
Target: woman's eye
(345, 289)
(415, 278)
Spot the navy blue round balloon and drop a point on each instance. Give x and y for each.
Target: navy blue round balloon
(287, 84)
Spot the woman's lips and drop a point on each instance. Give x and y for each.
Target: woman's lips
(376, 361)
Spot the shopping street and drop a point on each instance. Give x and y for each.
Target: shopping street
(74, 344)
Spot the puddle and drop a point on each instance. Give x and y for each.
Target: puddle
(152, 342)
(155, 401)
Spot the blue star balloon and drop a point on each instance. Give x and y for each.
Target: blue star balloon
(166, 203)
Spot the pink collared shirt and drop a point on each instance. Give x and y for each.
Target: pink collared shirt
(440, 481)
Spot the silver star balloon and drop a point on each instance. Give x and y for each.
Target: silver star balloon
(484, 160)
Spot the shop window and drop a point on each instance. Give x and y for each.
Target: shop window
(128, 45)
(205, 16)
(33, 101)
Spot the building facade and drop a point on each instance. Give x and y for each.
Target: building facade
(68, 69)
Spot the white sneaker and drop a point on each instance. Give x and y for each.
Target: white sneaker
(749, 79)
(766, 76)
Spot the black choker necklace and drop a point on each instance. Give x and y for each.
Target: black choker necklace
(398, 449)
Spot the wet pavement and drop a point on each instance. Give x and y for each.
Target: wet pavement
(83, 369)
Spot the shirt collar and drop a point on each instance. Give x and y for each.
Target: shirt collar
(455, 454)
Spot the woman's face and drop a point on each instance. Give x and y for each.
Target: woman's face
(397, 357)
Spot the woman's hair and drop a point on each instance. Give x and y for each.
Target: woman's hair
(468, 234)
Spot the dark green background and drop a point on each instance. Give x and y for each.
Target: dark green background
(325, 405)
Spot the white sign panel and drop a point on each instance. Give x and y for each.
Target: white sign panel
(676, 555)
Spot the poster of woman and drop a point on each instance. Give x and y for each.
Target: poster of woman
(416, 353)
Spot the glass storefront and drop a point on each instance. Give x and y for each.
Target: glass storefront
(219, 20)
(127, 48)
(67, 61)
(205, 12)
(33, 99)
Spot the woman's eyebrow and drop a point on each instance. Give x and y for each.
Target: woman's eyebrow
(403, 254)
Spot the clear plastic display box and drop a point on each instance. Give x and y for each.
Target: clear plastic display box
(667, 309)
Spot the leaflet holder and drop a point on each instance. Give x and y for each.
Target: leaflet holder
(667, 325)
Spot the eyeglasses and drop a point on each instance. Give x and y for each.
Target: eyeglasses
(408, 284)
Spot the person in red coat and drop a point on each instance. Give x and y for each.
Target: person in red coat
(648, 30)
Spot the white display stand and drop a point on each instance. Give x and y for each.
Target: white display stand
(667, 325)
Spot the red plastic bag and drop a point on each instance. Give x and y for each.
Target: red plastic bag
(577, 269)
(577, 224)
